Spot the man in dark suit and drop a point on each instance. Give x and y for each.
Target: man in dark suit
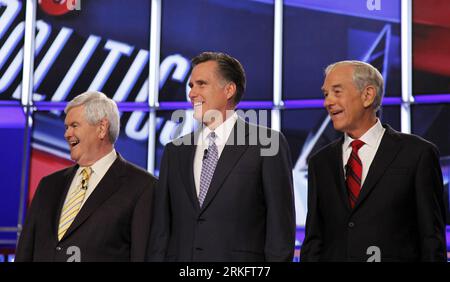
(375, 194)
(224, 194)
(97, 210)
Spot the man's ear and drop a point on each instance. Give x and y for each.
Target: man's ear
(103, 128)
(368, 95)
(230, 90)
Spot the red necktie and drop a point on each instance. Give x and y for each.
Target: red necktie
(354, 173)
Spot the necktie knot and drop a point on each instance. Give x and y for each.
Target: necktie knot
(356, 145)
(212, 136)
(85, 175)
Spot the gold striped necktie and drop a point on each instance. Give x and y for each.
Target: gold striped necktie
(73, 204)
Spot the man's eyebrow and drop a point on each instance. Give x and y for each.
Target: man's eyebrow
(198, 81)
(332, 86)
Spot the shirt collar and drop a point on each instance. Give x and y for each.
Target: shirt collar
(102, 165)
(369, 138)
(222, 131)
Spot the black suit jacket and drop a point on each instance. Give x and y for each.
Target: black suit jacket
(113, 224)
(400, 209)
(248, 213)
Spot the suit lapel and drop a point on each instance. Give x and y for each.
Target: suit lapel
(338, 168)
(186, 156)
(68, 176)
(231, 154)
(386, 153)
(110, 183)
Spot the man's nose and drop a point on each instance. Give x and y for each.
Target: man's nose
(67, 133)
(192, 94)
(328, 101)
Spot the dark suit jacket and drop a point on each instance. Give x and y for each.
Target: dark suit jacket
(248, 213)
(400, 209)
(113, 224)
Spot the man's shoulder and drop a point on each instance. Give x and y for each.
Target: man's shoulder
(259, 127)
(259, 131)
(55, 181)
(409, 139)
(136, 171)
(62, 173)
(326, 151)
(181, 143)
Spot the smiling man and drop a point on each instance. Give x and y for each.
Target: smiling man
(219, 197)
(375, 194)
(98, 209)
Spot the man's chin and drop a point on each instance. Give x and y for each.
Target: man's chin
(74, 156)
(198, 116)
(337, 127)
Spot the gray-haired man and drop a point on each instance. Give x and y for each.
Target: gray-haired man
(98, 209)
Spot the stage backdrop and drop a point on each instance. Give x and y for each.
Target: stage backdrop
(104, 45)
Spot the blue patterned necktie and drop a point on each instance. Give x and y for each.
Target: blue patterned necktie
(208, 166)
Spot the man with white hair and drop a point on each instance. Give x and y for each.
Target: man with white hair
(375, 194)
(98, 209)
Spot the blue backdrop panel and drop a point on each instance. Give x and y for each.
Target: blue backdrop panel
(12, 128)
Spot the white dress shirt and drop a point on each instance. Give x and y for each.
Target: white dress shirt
(372, 139)
(99, 169)
(223, 131)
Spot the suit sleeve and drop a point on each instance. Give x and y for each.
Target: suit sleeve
(430, 206)
(278, 191)
(312, 245)
(141, 221)
(160, 228)
(25, 246)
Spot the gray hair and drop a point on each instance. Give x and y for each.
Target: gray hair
(364, 75)
(98, 106)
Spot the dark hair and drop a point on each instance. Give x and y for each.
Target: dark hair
(229, 68)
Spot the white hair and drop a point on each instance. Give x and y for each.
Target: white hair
(364, 75)
(98, 106)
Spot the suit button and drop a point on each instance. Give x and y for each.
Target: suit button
(199, 249)
(200, 220)
(58, 248)
(351, 224)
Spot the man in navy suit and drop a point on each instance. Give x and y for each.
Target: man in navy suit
(375, 194)
(98, 209)
(222, 194)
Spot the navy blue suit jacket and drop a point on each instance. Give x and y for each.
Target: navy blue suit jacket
(400, 209)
